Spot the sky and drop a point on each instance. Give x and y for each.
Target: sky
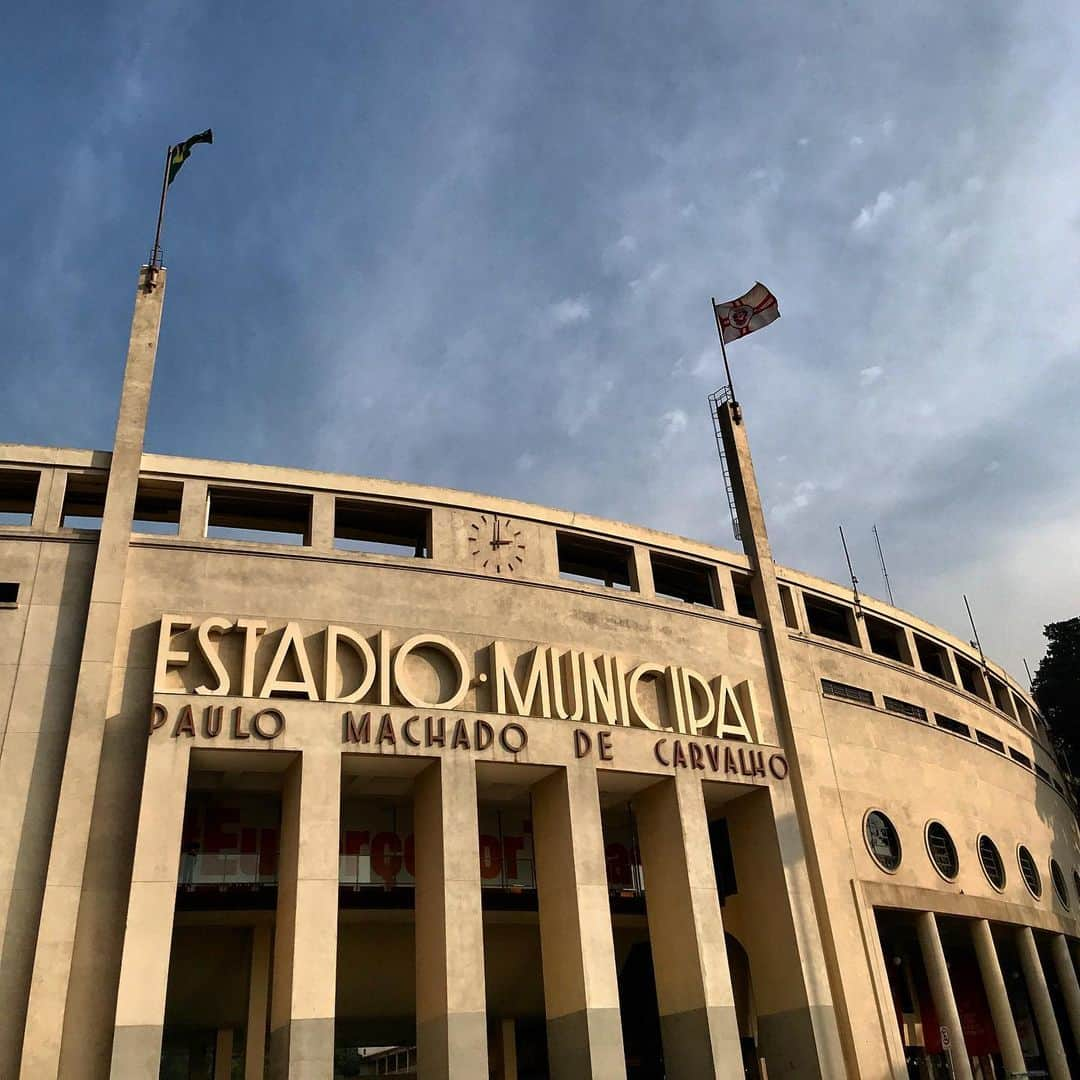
(473, 245)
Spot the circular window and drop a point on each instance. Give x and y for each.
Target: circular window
(1030, 872)
(942, 850)
(1058, 878)
(882, 841)
(990, 858)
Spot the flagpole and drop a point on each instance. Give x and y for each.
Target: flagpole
(727, 369)
(155, 254)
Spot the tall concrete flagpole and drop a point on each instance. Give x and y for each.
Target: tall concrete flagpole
(76, 929)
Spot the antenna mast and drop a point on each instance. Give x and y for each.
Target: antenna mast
(884, 568)
(851, 571)
(974, 630)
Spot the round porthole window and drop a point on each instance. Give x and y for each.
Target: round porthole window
(990, 860)
(942, 851)
(1058, 878)
(1029, 871)
(882, 841)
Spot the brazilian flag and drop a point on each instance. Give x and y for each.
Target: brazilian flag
(179, 153)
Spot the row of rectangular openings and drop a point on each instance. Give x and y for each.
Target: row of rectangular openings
(887, 639)
(989, 740)
(9, 593)
(18, 494)
(684, 579)
(905, 708)
(933, 658)
(1023, 713)
(261, 516)
(595, 562)
(1000, 693)
(829, 620)
(848, 693)
(382, 528)
(949, 724)
(1041, 773)
(1023, 759)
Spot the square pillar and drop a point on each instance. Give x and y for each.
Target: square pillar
(1035, 978)
(451, 1009)
(994, 984)
(144, 967)
(223, 1054)
(258, 1000)
(581, 986)
(305, 934)
(1066, 973)
(941, 991)
(698, 1024)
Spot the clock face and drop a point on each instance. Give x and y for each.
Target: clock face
(496, 544)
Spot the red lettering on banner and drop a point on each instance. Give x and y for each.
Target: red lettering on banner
(618, 865)
(511, 846)
(386, 856)
(490, 857)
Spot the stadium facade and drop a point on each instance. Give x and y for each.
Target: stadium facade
(309, 775)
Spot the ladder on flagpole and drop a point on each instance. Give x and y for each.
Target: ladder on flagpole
(716, 399)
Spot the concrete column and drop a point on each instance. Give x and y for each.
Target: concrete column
(509, 1049)
(77, 807)
(451, 1011)
(322, 521)
(942, 992)
(698, 1024)
(223, 1054)
(1066, 973)
(1035, 978)
(144, 968)
(305, 934)
(994, 985)
(193, 507)
(258, 1001)
(581, 986)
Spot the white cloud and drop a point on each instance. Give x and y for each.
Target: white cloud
(868, 375)
(869, 215)
(574, 309)
(856, 140)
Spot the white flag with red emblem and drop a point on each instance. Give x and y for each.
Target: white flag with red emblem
(751, 312)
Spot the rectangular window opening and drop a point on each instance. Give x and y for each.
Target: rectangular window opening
(989, 740)
(787, 602)
(970, 677)
(382, 529)
(1021, 759)
(84, 501)
(684, 579)
(887, 639)
(9, 594)
(1002, 697)
(829, 620)
(744, 595)
(18, 494)
(1023, 713)
(1041, 773)
(265, 517)
(933, 659)
(848, 693)
(157, 507)
(597, 562)
(905, 708)
(949, 724)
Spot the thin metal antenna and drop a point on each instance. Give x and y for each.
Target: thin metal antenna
(974, 630)
(884, 569)
(1031, 681)
(854, 579)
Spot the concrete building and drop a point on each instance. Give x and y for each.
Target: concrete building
(310, 775)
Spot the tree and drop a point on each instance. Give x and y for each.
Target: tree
(1056, 687)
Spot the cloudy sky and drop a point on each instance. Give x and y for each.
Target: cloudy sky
(473, 245)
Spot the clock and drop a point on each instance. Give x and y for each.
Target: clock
(496, 544)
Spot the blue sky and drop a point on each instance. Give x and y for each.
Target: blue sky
(473, 245)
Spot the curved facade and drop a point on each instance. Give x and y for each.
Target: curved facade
(311, 775)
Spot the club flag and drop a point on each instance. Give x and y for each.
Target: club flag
(750, 312)
(179, 153)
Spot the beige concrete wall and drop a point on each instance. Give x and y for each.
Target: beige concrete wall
(857, 757)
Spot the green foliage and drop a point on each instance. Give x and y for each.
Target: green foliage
(1056, 687)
